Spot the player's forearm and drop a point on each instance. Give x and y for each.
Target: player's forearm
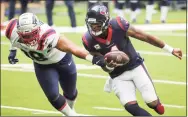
(153, 40)
(139, 34)
(66, 45)
(80, 52)
(148, 38)
(156, 42)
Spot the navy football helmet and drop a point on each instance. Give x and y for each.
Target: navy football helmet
(97, 19)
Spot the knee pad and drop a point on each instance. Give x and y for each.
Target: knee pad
(57, 102)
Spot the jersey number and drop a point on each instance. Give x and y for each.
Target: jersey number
(35, 55)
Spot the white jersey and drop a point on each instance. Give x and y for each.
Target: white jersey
(44, 52)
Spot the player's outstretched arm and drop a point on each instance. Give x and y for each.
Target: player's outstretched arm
(66, 45)
(138, 34)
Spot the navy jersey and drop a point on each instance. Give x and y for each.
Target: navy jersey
(116, 38)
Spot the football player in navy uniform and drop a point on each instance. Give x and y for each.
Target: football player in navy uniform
(52, 58)
(105, 35)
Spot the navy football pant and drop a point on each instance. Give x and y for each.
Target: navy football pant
(63, 72)
(12, 8)
(151, 2)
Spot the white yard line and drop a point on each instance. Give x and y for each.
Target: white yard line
(36, 111)
(121, 109)
(140, 51)
(39, 111)
(29, 68)
(5, 43)
(174, 34)
(156, 53)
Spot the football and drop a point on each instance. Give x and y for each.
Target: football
(117, 56)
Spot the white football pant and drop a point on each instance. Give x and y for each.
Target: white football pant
(124, 85)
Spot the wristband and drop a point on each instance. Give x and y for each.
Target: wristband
(89, 57)
(168, 48)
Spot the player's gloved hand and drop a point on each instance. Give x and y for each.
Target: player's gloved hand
(113, 64)
(11, 57)
(99, 60)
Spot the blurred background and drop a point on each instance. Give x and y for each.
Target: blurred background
(22, 96)
(72, 13)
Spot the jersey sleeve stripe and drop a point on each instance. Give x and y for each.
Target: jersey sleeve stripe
(43, 38)
(10, 28)
(85, 40)
(120, 23)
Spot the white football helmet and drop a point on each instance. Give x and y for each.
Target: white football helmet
(28, 28)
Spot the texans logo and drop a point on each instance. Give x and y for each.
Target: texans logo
(103, 10)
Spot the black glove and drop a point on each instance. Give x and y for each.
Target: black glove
(99, 60)
(11, 57)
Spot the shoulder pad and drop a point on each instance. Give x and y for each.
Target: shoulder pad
(10, 27)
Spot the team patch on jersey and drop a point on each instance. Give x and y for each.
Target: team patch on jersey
(43, 38)
(97, 46)
(10, 28)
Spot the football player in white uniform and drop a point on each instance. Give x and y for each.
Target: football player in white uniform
(52, 58)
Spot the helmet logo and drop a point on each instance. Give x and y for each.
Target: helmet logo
(103, 10)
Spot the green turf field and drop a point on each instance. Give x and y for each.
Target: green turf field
(22, 96)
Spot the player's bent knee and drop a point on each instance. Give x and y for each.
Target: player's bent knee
(57, 102)
(157, 106)
(52, 96)
(71, 96)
